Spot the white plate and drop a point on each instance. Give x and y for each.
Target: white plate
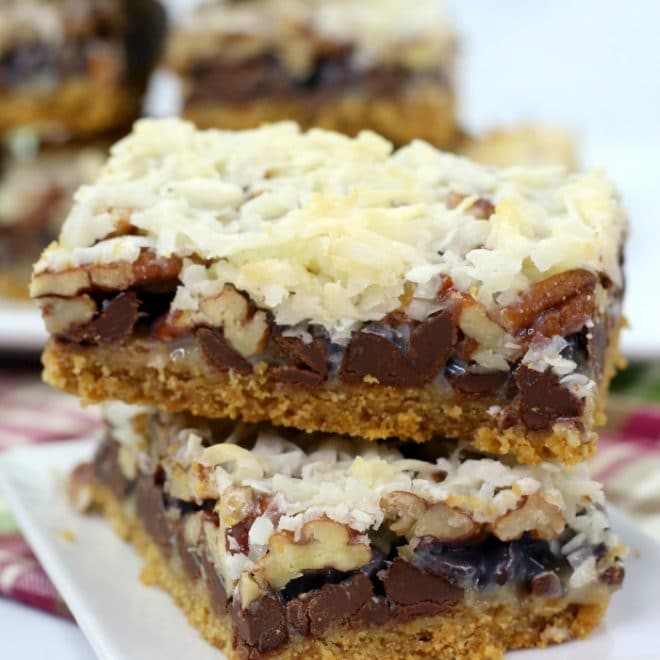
(123, 620)
(21, 327)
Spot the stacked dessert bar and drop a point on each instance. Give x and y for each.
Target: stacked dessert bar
(75, 66)
(358, 387)
(345, 65)
(72, 76)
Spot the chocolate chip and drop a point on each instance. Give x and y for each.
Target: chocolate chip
(407, 585)
(453, 564)
(112, 325)
(312, 580)
(419, 610)
(262, 625)
(432, 341)
(373, 354)
(107, 470)
(296, 616)
(215, 586)
(369, 354)
(151, 511)
(305, 364)
(331, 605)
(375, 612)
(474, 382)
(220, 354)
(335, 603)
(542, 399)
(546, 585)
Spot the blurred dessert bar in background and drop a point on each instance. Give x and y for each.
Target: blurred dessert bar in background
(36, 192)
(76, 67)
(275, 541)
(346, 65)
(333, 284)
(527, 145)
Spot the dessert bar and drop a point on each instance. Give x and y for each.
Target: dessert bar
(36, 193)
(345, 65)
(282, 544)
(76, 66)
(333, 284)
(527, 144)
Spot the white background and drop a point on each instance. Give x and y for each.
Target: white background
(593, 65)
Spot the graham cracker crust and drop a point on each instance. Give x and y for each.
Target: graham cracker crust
(133, 375)
(82, 107)
(423, 111)
(462, 634)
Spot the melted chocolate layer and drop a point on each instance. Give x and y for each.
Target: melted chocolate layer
(397, 353)
(333, 74)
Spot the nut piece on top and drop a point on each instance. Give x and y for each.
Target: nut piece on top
(345, 65)
(330, 283)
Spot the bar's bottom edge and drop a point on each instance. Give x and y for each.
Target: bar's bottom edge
(462, 633)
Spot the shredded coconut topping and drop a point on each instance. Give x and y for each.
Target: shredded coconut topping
(345, 480)
(322, 228)
(357, 487)
(387, 32)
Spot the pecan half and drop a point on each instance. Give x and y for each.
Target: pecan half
(324, 544)
(558, 305)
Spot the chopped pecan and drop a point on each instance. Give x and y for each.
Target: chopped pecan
(403, 510)
(446, 524)
(324, 544)
(61, 314)
(148, 269)
(554, 305)
(536, 515)
(244, 329)
(481, 208)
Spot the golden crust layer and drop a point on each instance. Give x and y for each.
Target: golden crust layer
(81, 107)
(461, 634)
(374, 412)
(424, 111)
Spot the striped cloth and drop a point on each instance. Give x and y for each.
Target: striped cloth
(31, 412)
(628, 462)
